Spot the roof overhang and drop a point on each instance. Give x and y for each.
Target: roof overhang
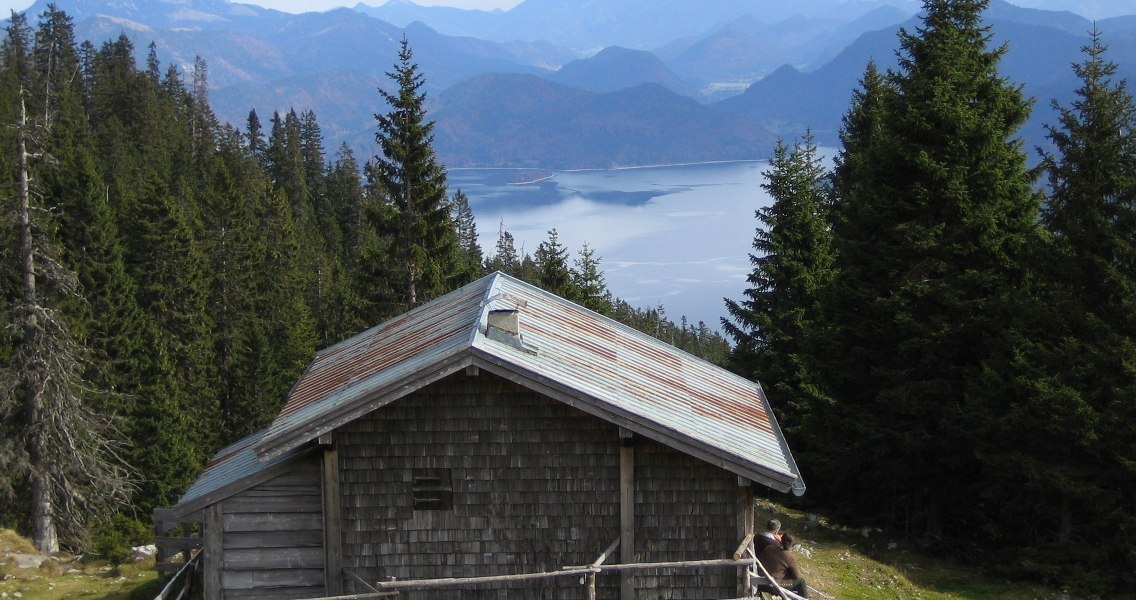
(782, 482)
(366, 401)
(270, 447)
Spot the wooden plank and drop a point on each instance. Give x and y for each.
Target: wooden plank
(626, 518)
(272, 578)
(213, 549)
(281, 521)
(461, 582)
(271, 504)
(278, 593)
(273, 539)
(247, 559)
(603, 555)
(364, 596)
(678, 564)
(332, 535)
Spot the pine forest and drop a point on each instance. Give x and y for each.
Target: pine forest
(944, 321)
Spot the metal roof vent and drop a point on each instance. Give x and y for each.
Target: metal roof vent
(504, 325)
(507, 321)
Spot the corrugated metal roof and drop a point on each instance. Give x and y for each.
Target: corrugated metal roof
(236, 462)
(613, 370)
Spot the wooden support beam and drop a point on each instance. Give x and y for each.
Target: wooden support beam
(590, 578)
(745, 531)
(626, 518)
(332, 534)
(603, 555)
(213, 550)
(457, 582)
(361, 581)
(466, 582)
(177, 544)
(365, 596)
(742, 547)
(679, 564)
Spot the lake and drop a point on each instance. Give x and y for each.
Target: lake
(677, 235)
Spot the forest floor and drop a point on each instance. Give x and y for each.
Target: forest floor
(838, 561)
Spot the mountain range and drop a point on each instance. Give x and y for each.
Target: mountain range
(567, 84)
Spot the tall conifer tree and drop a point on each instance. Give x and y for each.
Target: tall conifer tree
(933, 242)
(553, 271)
(54, 447)
(1072, 373)
(793, 263)
(416, 213)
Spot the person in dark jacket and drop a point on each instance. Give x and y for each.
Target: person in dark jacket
(772, 536)
(782, 566)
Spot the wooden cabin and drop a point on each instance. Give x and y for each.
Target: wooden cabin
(502, 438)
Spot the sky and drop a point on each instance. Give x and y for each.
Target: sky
(1089, 8)
(298, 6)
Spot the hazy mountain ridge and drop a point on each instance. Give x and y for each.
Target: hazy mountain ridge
(635, 24)
(1040, 49)
(556, 126)
(615, 68)
(504, 104)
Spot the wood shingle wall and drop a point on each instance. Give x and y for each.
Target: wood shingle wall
(535, 487)
(685, 509)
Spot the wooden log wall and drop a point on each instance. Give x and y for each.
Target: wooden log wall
(273, 538)
(685, 509)
(535, 487)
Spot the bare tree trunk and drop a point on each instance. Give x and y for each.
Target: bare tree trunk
(43, 518)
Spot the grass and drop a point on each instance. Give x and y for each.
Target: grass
(71, 577)
(864, 564)
(839, 562)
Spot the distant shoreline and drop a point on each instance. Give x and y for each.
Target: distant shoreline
(622, 168)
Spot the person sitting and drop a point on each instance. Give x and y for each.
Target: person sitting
(781, 565)
(771, 536)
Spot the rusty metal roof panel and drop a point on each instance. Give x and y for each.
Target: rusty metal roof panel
(367, 363)
(623, 372)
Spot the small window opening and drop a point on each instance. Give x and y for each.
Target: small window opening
(433, 489)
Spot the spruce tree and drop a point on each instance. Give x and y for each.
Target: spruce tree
(156, 179)
(933, 241)
(470, 258)
(1071, 376)
(553, 272)
(505, 258)
(588, 281)
(793, 264)
(415, 214)
(62, 456)
(343, 313)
